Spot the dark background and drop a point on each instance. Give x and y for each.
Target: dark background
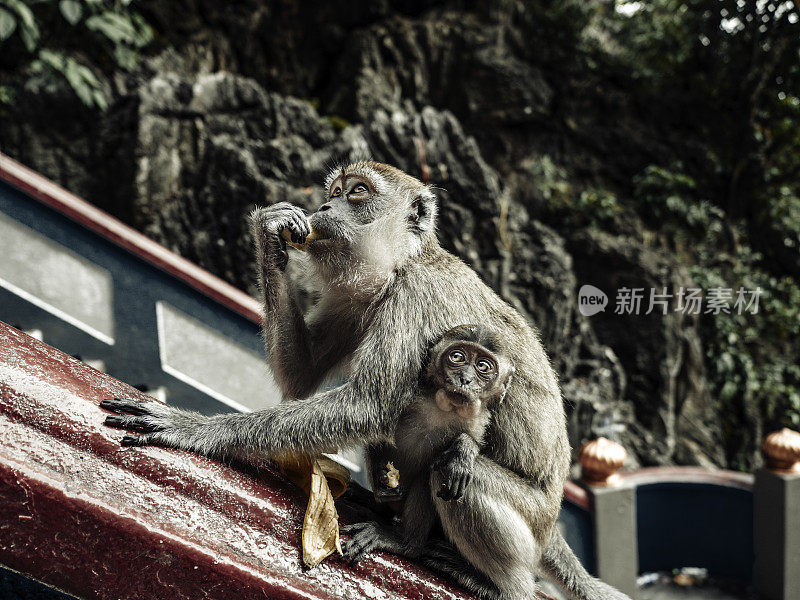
(651, 144)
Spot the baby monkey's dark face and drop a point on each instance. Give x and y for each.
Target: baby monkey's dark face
(468, 369)
(467, 376)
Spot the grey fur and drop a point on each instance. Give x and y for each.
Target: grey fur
(388, 291)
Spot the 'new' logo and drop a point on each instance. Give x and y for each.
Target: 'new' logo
(591, 300)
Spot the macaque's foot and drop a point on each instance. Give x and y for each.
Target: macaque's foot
(158, 424)
(365, 538)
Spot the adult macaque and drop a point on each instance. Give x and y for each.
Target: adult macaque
(389, 291)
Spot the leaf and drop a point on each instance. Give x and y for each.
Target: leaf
(88, 76)
(35, 68)
(28, 29)
(145, 34)
(54, 59)
(100, 99)
(81, 79)
(320, 537)
(76, 82)
(72, 10)
(8, 23)
(115, 27)
(30, 40)
(6, 95)
(25, 14)
(84, 93)
(73, 75)
(125, 57)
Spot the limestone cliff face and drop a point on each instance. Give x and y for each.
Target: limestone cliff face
(247, 105)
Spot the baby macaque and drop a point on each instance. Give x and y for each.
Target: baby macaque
(466, 373)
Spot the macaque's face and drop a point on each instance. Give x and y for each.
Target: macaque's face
(349, 206)
(467, 376)
(362, 201)
(372, 214)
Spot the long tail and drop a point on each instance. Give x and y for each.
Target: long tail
(561, 565)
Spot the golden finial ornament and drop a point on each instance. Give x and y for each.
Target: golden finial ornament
(600, 460)
(782, 451)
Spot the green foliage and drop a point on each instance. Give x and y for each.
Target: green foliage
(715, 84)
(66, 42)
(752, 358)
(784, 212)
(780, 221)
(551, 183)
(79, 77)
(15, 14)
(666, 200)
(561, 200)
(721, 82)
(598, 204)
(337, 122)
(659, 36)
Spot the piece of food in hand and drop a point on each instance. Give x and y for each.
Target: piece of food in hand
(387, 486)
(287, 236)
(392, 475)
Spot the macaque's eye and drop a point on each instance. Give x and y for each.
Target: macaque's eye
(359, 189)
(485, 366)
(457, 357)
(337, 191)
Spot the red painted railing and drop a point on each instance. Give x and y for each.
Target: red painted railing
(720, 477)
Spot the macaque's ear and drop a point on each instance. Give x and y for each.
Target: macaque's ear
(506, 382)
(423, 212)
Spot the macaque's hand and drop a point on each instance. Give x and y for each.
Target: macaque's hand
(157, 423)
(267, 224)
(455, 466)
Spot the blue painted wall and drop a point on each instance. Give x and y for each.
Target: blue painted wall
(695, 525)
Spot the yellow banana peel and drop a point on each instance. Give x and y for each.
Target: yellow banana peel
(323, 480)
